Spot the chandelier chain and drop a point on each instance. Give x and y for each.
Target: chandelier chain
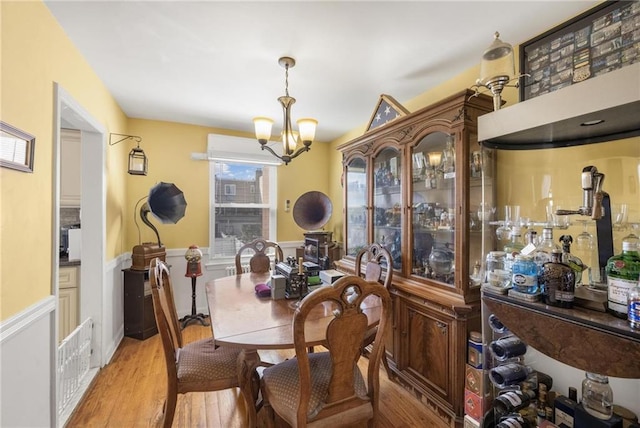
(286, 80)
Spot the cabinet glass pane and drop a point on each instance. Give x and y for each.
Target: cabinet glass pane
(356, 206)
(481, 162)
(387, 203)
(433, 201)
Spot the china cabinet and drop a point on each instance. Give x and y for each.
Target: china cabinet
(414, 186)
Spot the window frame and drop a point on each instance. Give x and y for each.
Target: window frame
(236, 150)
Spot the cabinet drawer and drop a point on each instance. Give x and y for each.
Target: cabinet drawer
(68, 277)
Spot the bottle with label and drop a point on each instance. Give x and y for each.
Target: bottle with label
(514, 420)
(524, 276)
(512, 401)
(570, 259)
(496, 274)
(507, 347)
(542, 404)
(542, 253)
(633, 305)
(513, 247)
(558, 282)
(509, 374)
(623, 272)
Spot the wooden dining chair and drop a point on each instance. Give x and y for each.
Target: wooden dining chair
(377, 260)
(260, 261)
(195, 367)
(327, 388)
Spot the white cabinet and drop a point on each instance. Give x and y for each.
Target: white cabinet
(70, 167)
(68, 283)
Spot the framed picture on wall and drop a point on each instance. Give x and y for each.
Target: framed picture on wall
(16, 148)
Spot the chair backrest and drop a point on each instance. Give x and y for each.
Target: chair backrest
(165, 313)
(260, 262)
(344, 336)
(378, 260)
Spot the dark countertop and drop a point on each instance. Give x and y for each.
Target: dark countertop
(64, 262)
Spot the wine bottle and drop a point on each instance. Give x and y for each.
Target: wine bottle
(513, 421)
(507, 347)
(512, 401)
(509, 374)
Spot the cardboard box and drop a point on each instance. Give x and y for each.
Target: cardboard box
(474, 379)
(469, 422)
(330, 276)
(475, 405)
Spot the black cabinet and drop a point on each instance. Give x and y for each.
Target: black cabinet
(139, 321)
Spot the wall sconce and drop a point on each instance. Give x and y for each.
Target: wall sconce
(138, 162)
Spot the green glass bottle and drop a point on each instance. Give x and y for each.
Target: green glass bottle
(623, 271)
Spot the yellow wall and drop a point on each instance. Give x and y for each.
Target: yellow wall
(169, 145)
(35, 54)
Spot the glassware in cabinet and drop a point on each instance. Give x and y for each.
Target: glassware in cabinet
(356, 208)
(387, 202)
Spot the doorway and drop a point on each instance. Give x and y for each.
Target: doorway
(68, 113)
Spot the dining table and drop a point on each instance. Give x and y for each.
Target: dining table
(241, 319)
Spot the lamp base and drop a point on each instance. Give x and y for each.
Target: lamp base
(142, 255)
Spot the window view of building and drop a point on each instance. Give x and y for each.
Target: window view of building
(243, 207)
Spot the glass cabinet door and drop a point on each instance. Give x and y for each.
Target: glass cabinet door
(356, 206)
(433, 202)
(387, 203)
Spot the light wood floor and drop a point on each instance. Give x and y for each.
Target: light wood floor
(129, 392)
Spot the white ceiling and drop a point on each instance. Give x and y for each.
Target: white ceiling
(215, 63)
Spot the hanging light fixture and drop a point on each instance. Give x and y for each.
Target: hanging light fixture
(306, 127)
(138, 161)
(497, 69)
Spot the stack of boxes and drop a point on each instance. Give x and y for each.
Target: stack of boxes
(476, 399)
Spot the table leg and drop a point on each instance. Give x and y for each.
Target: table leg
(248, 360)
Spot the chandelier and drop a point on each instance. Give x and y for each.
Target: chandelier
(306, 127)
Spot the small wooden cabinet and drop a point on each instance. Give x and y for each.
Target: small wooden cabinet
(139, 320)
(414, 186)
(68, 285)
(70, 168)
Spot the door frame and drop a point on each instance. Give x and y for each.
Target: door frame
(68, 113)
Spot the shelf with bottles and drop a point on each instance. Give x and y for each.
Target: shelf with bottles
(562, 334)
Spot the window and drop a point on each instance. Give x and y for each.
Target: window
(243, 198)
(230, 189)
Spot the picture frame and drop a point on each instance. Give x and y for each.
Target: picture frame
(599, 40)
(387, 110)
(17, 148)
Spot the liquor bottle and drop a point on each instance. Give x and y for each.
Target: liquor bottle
(509, 374)
(570, 259)
(542, 404)
(513, 247)
(558, 282)
(623, 272)
(524, 276)
(512, 401)
(542, 253)
(633, 304)
(507, 347)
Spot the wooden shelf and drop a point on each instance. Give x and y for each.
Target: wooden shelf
(588, 340)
